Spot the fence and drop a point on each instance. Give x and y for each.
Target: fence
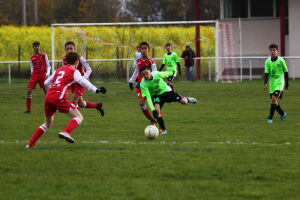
(121, 69)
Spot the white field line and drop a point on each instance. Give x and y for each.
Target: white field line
(237, 142)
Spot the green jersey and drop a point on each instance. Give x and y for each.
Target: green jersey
(156, 86)
(276, 71)
(171, 60)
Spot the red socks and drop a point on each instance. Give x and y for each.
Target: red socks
(89, 104)
(28, 102)
(72, 125)
(37, 134)
(147, 113)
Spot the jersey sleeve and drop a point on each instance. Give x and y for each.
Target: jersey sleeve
(165, 74)
(31, 66)
(284, 66)
(176, 58)
(153, 67)
(164, 60)
(88, 69)
(146, 93)
(48, 81)
(84, 82)
(267, 67)
(47, 65)
(134, 75)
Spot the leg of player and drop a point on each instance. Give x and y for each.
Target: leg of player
(75, 98)
(170, 83)
(87, 104)
(160, 120)
(145, 111)
(272, 108)
(280, 111)
(186, 100)
(28, 100)
(40, 131)
(45, 91)
(75, 121)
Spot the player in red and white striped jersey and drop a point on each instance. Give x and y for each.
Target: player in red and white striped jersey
(40, 70)
(57, 98)
(144, 60)
(85, 70)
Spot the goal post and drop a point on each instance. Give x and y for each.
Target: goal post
(105, 41)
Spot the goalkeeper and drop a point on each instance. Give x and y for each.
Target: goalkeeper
(276, 69)
(158, 92)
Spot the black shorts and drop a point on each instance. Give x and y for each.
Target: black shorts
(276, 93)
(166, 97)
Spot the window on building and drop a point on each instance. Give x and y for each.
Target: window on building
(261, 8)
(235, 8)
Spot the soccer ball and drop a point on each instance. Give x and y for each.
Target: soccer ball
(151, 132)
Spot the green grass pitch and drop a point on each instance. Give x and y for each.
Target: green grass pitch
(220, 148)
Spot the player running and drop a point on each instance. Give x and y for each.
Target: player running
(57, 99)
(158, 92)
(144, 60)
(85, 70)
(172, 61)
(40, 70)
(275, 67)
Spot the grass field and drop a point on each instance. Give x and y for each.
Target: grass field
(220, 148)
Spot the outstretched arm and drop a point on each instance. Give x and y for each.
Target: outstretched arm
(84, 82)
(286, 77)
(161, 67)
(87, 68)
(47, 65)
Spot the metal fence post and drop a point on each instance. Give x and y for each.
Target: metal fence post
(9, 74)
(127, 68)
(293, 69)
(250, 68)
(209, 74)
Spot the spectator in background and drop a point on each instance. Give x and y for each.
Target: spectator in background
(188, 55)
(137, 54)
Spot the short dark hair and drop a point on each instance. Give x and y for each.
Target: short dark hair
(35, 43)
(145, 43)
(69, 43)
(168, 44)
(144, 67)
(273, 46)
(72, 57)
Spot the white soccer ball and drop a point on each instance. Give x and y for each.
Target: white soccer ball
(151, 132)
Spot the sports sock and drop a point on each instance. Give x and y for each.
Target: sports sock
(147, 113)
(72, 125)
(272, 110)
(28, 102)
(37, 134)
(279, 110)
(89, 104)
(161, 123)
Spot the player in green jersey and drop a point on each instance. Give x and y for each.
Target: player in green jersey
(171, 60)
(158, 92)
(276, 69)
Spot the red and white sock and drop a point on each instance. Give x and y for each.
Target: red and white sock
(28, 102)
(72, 125)
(147, 113)
(37, 134)
(88, 104)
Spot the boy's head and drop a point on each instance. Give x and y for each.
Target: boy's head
(70, 47)
(145, 72)
(72, 58)
(168, 47)
(36, 47)
(187, 47)
(145, 48)
(273, 50)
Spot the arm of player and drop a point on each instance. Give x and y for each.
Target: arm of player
(31, 67)
(165, 74)
(47, 65)
(145, 93)
(84, 82)
(178, 67)
(134, 75)
(88, 69)
(62, 63)
(286, 77)
(49, 81)
(161, 67)
(153, 67)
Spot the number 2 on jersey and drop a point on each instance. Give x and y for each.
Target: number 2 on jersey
(61, 74)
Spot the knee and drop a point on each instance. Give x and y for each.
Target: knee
(81, 104)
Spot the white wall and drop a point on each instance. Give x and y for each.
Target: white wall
(294, 28)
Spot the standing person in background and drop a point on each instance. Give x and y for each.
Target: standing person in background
(171, 60)
(40, 70)
(137, 54)
(188, 55)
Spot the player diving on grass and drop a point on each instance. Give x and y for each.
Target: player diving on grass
(172, 62)
(85, 70)
(144, 60)
(40, 70)
(276, 70)
(157, 92)
(57, 99)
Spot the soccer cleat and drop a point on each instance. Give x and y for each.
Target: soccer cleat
(27, 112)
(29, 146)
(192, 100)
(153, 122)
(282, 117)
(270, 121)
(100, 108)
(66, 136)
(164, 132)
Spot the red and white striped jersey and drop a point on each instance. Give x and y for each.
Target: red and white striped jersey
(83, 67)
(62, 80)
(39, 64)
(140, 63)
